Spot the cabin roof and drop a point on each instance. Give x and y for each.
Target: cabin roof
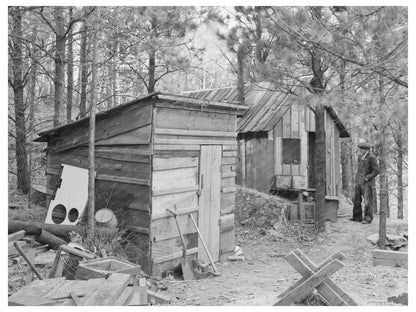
(176, 100)
(265, 106)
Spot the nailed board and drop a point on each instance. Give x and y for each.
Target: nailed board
(182, 200)
(160, 164)
(109, 291)
(166, 118)
(103, 166)
(166, 228)
(113, 124)
(175, 178)
(74, 182)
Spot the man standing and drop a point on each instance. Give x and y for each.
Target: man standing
(367, 170)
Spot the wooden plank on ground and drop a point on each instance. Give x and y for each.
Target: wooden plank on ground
(125, 296)
(30, 300)
(390, 258)
(16, 236)
(109, 291)
(80, 287)
(36, 289)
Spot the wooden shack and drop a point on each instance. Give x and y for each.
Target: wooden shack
(155, 153)
(276, 139)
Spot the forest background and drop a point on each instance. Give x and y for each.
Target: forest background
(62, 59)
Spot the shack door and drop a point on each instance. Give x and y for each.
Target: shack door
(209, 201)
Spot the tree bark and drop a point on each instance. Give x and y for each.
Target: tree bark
(18, 83)
(384, 195)
(399, 146)
(70, 71)
(240, 75)
(318, 87)
(152, 70)
(59, 64)
(320, 166)
(32, 84)
(346, 157)
(152, 57)
(84, 69)
(91, 146)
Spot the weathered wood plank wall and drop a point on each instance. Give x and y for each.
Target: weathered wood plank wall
(177, 138)
(295, 123)
(122, 164)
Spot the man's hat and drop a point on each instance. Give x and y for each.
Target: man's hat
(364, 145)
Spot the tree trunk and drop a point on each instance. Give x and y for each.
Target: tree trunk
(384, 195)
(318, 87)
(23, 181)
(91, 146)
(152, 70)
(59, 64)
(346, 145)
(70, 71)
(114, 72)
(84, 69)
(320, 166)
(399, 146)
(346, 157)
(32, 85)
(240, 75)
(374, 190)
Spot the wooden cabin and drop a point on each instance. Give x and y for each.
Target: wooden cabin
(155, 153)
(276, 141)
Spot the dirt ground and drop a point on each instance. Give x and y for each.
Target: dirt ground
(264, 273)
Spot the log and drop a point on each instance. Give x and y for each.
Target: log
(34, 228)
(44, 237)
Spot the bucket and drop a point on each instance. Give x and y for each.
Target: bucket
(105, 217)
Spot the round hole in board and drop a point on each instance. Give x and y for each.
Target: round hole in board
(58, 214)
(73, 215)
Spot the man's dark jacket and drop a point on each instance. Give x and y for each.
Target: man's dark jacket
(367, 168)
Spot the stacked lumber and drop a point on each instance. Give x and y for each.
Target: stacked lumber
(117, 290)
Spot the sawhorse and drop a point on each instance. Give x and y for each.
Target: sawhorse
(315, 277)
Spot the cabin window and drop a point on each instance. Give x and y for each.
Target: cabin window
(291, 151)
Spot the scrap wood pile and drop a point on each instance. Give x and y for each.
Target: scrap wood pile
(39, 275)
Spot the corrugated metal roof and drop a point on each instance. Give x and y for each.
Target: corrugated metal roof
(266, 106)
